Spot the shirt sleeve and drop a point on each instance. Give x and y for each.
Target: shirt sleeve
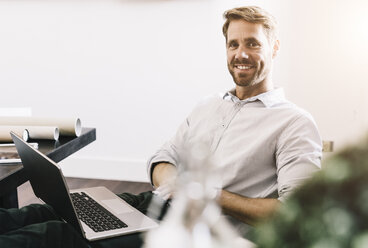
(170, 151)
(298, 155)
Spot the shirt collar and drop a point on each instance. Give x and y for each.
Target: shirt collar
(269, 98)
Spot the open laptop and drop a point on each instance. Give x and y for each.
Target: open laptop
(48, 183)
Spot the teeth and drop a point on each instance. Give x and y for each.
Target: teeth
(243, 67)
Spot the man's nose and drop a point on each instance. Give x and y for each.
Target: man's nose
(242, 54)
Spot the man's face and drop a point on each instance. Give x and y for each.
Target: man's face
(249, 53)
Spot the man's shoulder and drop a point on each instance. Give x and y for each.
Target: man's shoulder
(208, 105)
(295, 113)
(289, 110)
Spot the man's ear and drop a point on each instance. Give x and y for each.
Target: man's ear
(276, 47)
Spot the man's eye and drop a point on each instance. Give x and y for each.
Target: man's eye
(233, 45)
(253, 44)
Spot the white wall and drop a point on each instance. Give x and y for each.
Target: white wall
(135, 68)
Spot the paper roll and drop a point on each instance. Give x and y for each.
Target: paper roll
(67, 126)
(43, 132)
(5, 133)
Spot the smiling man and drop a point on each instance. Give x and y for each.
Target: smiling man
(266, 145)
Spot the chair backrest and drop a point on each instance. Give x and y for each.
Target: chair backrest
(327, 146)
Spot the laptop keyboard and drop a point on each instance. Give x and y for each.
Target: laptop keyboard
(94, 215)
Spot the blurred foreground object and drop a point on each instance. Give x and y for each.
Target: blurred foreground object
(330, 210)
(194, 219)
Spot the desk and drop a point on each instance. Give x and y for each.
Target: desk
(13, 175)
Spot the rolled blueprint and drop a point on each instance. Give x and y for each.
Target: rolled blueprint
(5, 133)
(67, 126)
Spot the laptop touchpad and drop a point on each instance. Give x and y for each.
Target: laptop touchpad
(117, 206)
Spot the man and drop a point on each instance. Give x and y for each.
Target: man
(266, 145)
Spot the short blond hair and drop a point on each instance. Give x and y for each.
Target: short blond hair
(252, 14)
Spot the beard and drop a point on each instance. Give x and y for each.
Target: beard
(243, 79)
(258, 74)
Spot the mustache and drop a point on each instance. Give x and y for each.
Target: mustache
(242, 61)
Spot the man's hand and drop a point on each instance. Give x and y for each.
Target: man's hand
(164, 178)
(248, 210)
(166, 190)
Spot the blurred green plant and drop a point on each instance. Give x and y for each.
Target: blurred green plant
(329, 211)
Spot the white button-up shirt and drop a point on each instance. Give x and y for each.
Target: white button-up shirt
(265, 145)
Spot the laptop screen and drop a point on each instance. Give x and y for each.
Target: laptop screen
(47, 181)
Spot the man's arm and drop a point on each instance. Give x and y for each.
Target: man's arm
(248, 210)
(298, 156)
(163, 173)
(163, 179)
